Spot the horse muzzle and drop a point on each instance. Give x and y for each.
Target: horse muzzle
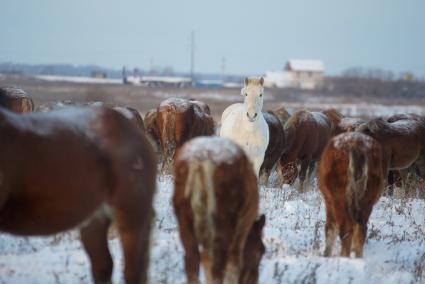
(252, 119)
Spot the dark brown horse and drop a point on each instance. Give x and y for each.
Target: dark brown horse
(282, 114)
(179, 120)
(352, 172)
(15, 100)
(216, 204)
(79, 167)
(403, 141)
(129, 112)
(275, 147)
(307, 134)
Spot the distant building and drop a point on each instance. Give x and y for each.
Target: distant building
(297, 73)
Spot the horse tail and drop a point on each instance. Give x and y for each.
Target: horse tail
(357, 176)
(200, 191)
(168, 139)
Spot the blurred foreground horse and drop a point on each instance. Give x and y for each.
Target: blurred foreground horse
(80, 168)
(216, 204)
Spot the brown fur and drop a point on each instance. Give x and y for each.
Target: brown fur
(275, 147)
(282, 114)
(348, 124)
(352, 171)
(179, 120)
(151, 126)
(79, 167)
(15, 100)
(306, 136)
(403, 141)
(216, 203)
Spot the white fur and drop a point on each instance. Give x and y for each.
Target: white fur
(239, 124)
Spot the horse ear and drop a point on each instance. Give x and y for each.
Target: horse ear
(246, 81)
(261, 81)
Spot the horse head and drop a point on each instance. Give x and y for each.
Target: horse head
(253, 97)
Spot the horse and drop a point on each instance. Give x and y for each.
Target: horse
(216, 204)
(275, 147)
(403, 140)
(79, 168)
(129, 112)
(307, 134)
(179, 120)
(151, 126)
(15, 100)
(348, 124)
(245, 123)
(282, 114)
(352, 172)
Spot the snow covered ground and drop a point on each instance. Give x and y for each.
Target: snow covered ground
(294, 237)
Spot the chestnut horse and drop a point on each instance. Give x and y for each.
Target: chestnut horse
(79, 167)
(348, 124)
(16, 100)
(216, 204)
(275, 147)
(352, 172)
(403, 140)
(151, 127)
(307, 134)
(179, 120)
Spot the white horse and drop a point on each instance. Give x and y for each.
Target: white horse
(245, 124)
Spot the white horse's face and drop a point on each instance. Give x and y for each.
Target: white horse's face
(253, 97)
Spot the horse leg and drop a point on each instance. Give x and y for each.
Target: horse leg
(134, 230)
(94, 236)
(331, 231)
(302, 175)
(190, 245)
(359, 239)
(346, 229)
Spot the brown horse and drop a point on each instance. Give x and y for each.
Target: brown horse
(275, 147)
(79, 167)
(151, 126)
(179, 120)
(129, 112)
(352, 173)
(282, 114)
(216, 203)
(348, 124)
(307, 134)
(16, 100)
(403, 141)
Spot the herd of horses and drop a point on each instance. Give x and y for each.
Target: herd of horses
(85, 165)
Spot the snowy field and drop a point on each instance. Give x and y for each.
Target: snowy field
(294, 238)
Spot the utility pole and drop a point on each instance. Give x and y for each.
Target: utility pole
(192, 56)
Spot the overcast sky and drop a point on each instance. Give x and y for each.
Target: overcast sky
(253, 36)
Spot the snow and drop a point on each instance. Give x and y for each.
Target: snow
(78, 79)
(293, 235)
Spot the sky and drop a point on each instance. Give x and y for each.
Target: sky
(252, 36)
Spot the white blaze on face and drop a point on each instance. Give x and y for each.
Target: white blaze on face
(253, 97)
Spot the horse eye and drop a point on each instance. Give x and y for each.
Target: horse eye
(261, 95)
(246, 94)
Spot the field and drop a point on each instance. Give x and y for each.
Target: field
(294, 232)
